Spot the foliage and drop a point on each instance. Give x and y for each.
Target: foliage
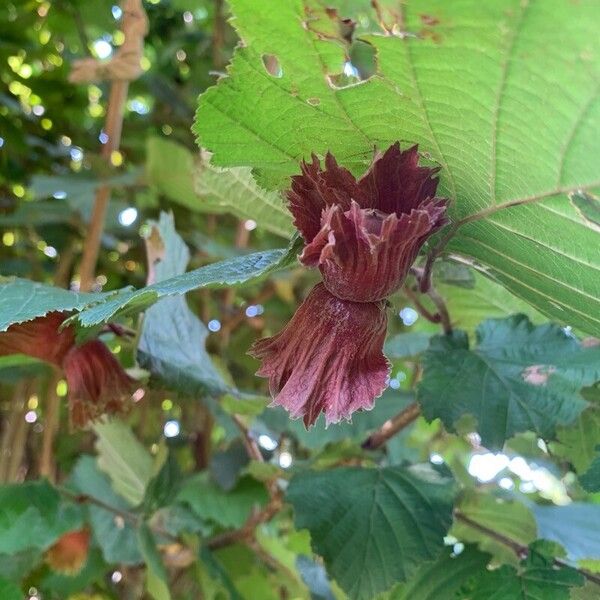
(476, 474)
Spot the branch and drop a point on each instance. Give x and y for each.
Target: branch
(392, 426)
(519, 549)
(442, 309)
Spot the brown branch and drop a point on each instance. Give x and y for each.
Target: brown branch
(424, 312)
(392, 426)
(519, 549)
(112, 128)
(442, 309)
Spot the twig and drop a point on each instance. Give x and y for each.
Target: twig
(442, 309)
(112, 129)
(431, 317)
(392, 426)
(249, 442)
(519, 549)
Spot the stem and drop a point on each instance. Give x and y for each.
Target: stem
(519, 549)
(432, 318)
(113, 127)
(442, 310)
(392, 426)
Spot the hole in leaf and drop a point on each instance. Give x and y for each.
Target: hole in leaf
(314, 101)
(272, 66)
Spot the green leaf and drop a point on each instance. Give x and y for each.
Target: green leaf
(24, 300)
(10, 591)
(444, 578)
(588, 207)
(507, 517)
(538, 577)
(123, 458)
(529, 137)
(114, 534)
(373, 527)
(156, 574)
(172, 341)
(590, 480)
(236, 191)
(519, 377)
(577, 442)
(169, 169)
(229, 509)
(33, 516)
(226, 273)
(575, 526)
(487, 299)
(406, 345)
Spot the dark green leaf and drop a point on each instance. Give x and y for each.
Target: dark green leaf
(373, 527)
(518, 378)
(538, 577)
(32, 516)
(229, 509)
(443, 579)
(590, 480)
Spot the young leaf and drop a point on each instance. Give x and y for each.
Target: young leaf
(519, 377)
(123, 458)
(172, 341)
(373, 527)
(546, 253)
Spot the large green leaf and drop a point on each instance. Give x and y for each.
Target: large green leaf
(9, 590)
(519, 377)
(23, 300)
(32, 515)
(373, 527)
(538, 577)
(172, 341)
(515, 124)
